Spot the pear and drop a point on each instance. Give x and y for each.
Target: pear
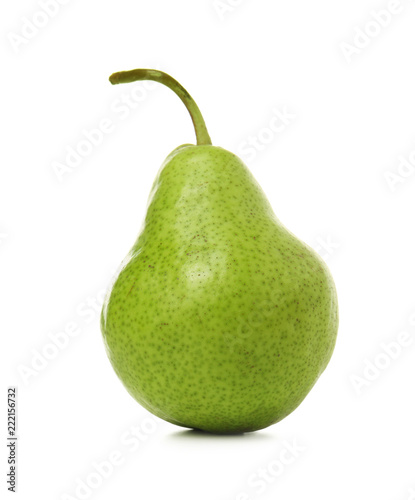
(219, 318)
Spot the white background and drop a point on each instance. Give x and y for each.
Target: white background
(335, 175)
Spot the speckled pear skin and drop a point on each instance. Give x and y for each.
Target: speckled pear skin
(219, 318)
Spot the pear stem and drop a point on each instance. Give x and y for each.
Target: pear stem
(202, 134)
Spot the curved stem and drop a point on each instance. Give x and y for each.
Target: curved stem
(202, 134)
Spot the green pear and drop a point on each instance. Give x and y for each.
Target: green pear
(219, 318)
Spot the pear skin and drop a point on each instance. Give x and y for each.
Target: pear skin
(219, 318)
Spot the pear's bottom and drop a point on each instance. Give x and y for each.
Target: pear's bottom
(226, 419)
